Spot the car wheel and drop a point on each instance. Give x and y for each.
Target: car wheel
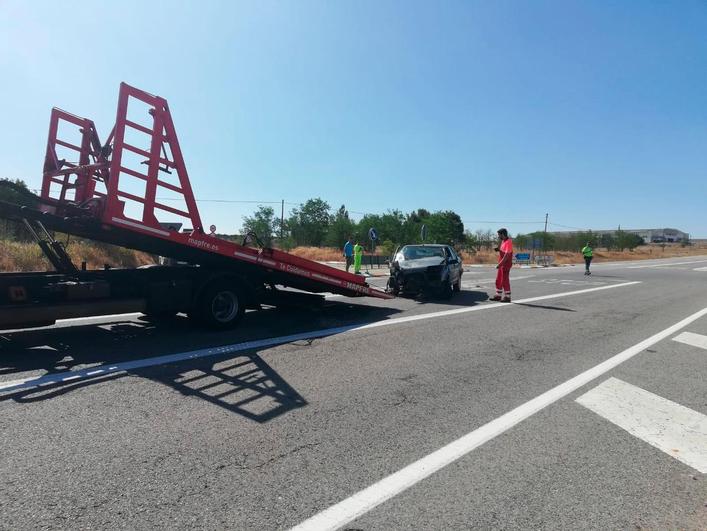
(221, 306)
(393, 287)
(447, 290)
(458, 285)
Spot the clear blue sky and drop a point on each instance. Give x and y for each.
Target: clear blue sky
(595, 112)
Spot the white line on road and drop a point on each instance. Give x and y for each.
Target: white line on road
(102, 370)
(94, 317)
(700, 269)
(363, 501)
(667, 264)
(675, 429)
(695, 340)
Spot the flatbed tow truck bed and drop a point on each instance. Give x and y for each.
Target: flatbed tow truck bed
(112, 192)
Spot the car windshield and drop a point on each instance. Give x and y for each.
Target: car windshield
(415, 252)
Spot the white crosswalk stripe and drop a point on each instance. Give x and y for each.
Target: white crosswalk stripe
(675, 429)
(690, 338)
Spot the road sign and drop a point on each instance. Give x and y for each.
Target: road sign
(537, 243)
(522, 256)
(372, 234)
(423, 232)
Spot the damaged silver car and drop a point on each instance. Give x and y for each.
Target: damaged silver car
(425, 269)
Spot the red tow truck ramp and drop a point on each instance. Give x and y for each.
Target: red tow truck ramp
(133, 190)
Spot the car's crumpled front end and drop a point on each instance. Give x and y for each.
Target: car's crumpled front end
(413, 279)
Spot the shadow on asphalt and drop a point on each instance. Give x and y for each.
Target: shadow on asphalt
(242, 383)
(462, 298)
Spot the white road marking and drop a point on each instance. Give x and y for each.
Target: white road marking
(675, 429)
(570, 282)
(78, 320)
(102, 370)
(700, 269)
(695, 340)
(93, 318)
(667, 264)
(363, 501)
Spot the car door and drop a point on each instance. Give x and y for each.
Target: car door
(455, 265)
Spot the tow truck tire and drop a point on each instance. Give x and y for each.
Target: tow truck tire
(220, 307)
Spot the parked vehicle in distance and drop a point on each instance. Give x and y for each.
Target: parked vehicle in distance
(425, 269)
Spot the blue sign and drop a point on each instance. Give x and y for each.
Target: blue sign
(522, 256)
(537, 244)
(372, 234)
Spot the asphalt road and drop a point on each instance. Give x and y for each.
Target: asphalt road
(354, 429)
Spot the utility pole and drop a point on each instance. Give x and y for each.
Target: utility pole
(282, 221)
(545, 232)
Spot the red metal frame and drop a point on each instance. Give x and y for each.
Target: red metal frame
(90, 165)
(103, 163)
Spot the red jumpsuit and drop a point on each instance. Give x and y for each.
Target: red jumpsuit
(505, 261)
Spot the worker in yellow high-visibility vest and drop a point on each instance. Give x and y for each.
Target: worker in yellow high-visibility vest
(588, 255)
(358, 255)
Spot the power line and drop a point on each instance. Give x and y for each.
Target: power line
(565, 226)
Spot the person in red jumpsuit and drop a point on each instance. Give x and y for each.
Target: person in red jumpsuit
(505, 262)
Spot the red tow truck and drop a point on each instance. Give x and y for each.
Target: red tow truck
(117, 192)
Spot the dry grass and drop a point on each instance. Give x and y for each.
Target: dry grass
(22, 256)
(320, 254)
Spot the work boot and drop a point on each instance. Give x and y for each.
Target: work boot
(507, 298)
(495, 298)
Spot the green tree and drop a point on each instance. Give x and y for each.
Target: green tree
(486, 239)
(389, 226)
(471, 241)
(341, 228)
(262, 223)
(16, 192)
(627, 240)
(308, 224)
(521, 241)
(445, 227)
(607, 240)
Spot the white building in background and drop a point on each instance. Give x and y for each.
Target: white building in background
(661, 235)
(665, 235)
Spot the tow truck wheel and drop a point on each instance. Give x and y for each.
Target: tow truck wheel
(220, 306)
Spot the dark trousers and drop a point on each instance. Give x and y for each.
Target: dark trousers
(587, 262)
